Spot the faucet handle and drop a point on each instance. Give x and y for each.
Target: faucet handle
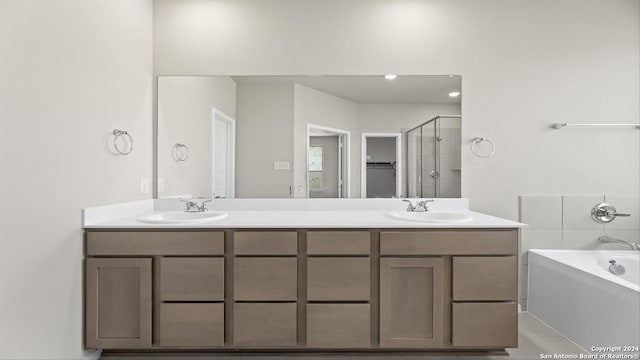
(410, 207)
(203, 207)
(189, 204)
(423, 204)
(605, 213)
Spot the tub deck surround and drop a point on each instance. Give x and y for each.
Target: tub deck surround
(303, 278)
(573, 292)
(290, 213)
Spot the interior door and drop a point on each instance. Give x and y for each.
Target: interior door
(341, 165)
(326, 183)
(220, 158)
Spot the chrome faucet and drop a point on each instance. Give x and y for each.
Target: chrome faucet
(604, 213)
(420, 206)
(192, 206)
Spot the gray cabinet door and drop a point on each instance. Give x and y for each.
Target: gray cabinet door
(411, 302)
(118, 308)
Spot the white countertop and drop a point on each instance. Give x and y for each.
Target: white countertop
(290, 213)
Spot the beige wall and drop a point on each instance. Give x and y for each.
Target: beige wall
(185, 106)
(70, 72)
(264, 135)
(319, 108)
(524, 65)
(380, 118)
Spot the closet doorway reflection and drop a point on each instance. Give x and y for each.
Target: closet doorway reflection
(381, 165)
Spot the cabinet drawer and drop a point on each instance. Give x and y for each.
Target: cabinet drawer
(338, 243)
(485, 324)
(192, 279)
(265, 242)
(330, 279)
(271, 324)
(184, 324)
(338, 326)
(485, 278)
(265, 279)
(155, 243)
(449, 242)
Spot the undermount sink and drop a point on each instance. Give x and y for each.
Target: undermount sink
(181, 217)
(432, 217)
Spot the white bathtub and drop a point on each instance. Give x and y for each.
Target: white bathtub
(574, 292)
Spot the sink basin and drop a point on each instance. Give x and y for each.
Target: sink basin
(431, 217)
(181, 217)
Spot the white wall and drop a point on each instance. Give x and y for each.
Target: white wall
(319, 108)
(185, 116)
(380, 118)
(524, 65)
(264, 135)
(70, 72)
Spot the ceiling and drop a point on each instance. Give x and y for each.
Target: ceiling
(405, 89)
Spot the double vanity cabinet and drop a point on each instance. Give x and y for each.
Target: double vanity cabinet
(301, 289)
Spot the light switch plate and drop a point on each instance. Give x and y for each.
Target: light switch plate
(281, 165)
(144, 185)
(160, 185)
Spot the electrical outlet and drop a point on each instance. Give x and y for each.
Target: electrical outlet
(144, 185)
(160, 185)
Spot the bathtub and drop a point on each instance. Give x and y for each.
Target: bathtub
(574, 292)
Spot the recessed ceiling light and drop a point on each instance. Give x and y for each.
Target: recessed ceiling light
(454, 93)
(390, 76)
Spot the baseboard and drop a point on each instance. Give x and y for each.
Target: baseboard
(95, 355)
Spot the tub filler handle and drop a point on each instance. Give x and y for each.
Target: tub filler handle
(604, 213)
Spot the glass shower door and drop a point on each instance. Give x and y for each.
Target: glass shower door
(430, 173)
(433, 158)
(414, 159)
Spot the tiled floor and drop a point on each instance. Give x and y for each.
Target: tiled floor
(534, 338)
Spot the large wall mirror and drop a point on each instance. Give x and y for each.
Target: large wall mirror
(308, 136)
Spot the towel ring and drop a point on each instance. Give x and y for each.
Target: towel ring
(181, 151)
(479, 140)
(118, 133)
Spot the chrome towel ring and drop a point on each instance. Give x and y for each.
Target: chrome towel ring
(181, 152)
(121, 133)
(480, 140)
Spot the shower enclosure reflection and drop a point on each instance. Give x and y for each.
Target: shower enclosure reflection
(433, 158)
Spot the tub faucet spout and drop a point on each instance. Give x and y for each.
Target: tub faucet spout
(609, 239)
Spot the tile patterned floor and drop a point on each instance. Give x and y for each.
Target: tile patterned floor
(534, 339)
